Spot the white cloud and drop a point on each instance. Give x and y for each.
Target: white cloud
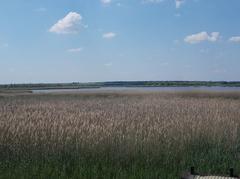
(204, 51)
(164, 64)
(235, 39)
(152, 1)
(108, 64)
(214, 36)
(41, 9)
(70, 24)
(176, 42)
(11, 70)
(106, 1)
(4, 45)
(109, 35)
(179, 3)
(187, 66)
(73, 50)
(219, 71)
(202, 36)
(177, 15)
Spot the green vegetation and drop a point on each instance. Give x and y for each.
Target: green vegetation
(118, 135)
(117, 84)
(48, 86)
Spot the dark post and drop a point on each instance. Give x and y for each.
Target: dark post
(192, 171)
(231, 172)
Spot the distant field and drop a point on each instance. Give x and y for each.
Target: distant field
(118, 135)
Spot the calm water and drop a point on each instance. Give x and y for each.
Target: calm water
(148, 89)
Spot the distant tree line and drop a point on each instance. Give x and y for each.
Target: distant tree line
(77, 85)
(171, 83)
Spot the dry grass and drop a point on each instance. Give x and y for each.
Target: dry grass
(119, 135)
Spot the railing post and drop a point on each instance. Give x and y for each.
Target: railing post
(231, 172)
(192, 172)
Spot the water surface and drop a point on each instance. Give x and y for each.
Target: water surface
(143, 89)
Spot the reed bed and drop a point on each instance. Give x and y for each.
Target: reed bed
(118, 134)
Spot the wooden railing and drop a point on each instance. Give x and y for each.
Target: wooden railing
(192, 174)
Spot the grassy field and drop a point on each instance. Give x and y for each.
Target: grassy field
(118, 134)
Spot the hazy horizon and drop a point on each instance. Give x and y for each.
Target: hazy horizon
(118, 40)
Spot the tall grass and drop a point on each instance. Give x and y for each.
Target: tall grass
(118, 135)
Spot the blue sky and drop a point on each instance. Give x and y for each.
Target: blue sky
(109, 40)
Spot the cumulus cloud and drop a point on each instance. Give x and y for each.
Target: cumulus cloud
(106, 1)
(202, 36)
(235, 39)
(179, 3)
(109, 35)
(74, 50)
(214, 36)
(70, 24)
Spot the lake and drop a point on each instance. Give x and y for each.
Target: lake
(143, 89)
